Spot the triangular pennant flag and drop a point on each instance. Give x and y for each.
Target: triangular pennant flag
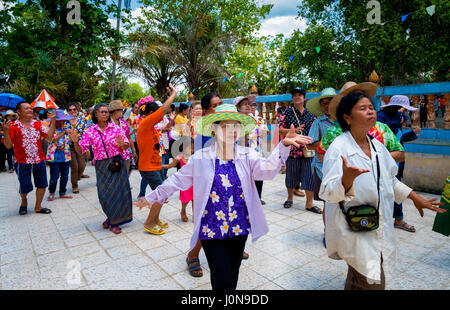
(318, 49)
(404, 17)
(239, 75)
(431, 9)
(304, 53)
(291, 57)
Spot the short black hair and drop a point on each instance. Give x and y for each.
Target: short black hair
(345, 107)
(19, 105)
(148, 108)
(183, 107)
(95, 109)
(206, 100)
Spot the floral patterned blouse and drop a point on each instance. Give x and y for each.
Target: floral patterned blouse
(63, 144)
(254, 137)
(127, 131)
(27, 141)
(80, 126)
(226, 213)
(91, 137)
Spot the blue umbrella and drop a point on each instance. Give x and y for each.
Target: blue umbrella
(10, 100)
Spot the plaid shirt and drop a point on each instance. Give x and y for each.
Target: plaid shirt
(318, 129)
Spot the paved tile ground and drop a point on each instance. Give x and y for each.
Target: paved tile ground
(69, 249)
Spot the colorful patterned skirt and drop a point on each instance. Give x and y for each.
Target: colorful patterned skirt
(114, 194)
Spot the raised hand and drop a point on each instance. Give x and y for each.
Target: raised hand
(295, 139)
(142, 203)
(51, 115)
(73, 135)
(171, 90)
(350, 173)
(6, 126)
(421, 203)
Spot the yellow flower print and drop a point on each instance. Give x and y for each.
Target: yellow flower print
(225, 181)
(237, 230)
(230, 202)
(214, 197)
(204, 213)
(232, 216)
(205, 229)
(220, 215)
(211, 234)
(224, 228)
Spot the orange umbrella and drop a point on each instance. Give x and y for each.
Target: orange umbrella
(45, 101)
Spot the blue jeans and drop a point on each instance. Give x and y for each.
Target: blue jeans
(24, 172)
(398, 207)
(165, 161)
(59, 171)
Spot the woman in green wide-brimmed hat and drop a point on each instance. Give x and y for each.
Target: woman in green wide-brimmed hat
(227, 207)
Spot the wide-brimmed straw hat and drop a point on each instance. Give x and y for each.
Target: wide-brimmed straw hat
(225, 112)
(115, 105)
(10, 112)
(367, 87)
(313, 105)
(401, 101)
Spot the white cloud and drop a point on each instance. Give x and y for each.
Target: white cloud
(281, 25)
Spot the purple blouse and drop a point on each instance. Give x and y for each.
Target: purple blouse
(226, 213)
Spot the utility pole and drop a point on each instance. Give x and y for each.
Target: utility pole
(113, 79)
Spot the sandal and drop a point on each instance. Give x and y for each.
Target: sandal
(314, 209)
(51, 197)
(106, 224)
(163, 225)
(405, 226)
(155, 230)
(77, 191)
(287, 204)
(44, 211)
(194, 270)
(23, 210)
(184, 218)
(116, 229)
(245, 255)
(85, 176)
(65, 197)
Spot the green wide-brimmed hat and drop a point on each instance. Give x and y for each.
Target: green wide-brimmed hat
(313, 105)
(225, 112)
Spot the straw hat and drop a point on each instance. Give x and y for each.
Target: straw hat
(313, 105)
(225, 112)
(115, 105)
(10, 112)
(368, 87)
(401, 101)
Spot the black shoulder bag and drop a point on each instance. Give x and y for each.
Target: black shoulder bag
(364, 217)
(116, 162)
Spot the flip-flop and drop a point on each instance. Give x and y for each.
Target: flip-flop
(314, 209)
(155, 230)
(195, 267)
(85, 176)
(51, 197)
(44, 211)
(163, 225)
(23, 210)
(65, 197)
(287, 204)
(405, 226)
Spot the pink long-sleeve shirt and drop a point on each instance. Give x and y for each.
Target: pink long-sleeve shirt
(199, 172)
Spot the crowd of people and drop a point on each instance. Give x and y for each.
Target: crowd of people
(335, 147)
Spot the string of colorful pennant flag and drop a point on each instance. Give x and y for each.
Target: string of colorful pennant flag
(430, 10)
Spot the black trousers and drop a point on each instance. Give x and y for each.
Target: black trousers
(259, 186)
(224, 259)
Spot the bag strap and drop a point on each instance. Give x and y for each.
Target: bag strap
(378, 170)
(341, 204)
(103, 142)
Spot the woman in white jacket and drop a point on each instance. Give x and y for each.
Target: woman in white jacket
(350, 176)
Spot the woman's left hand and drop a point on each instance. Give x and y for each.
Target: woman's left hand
(422, 203)
(295, 139)
(141, 204)
(120, 141)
